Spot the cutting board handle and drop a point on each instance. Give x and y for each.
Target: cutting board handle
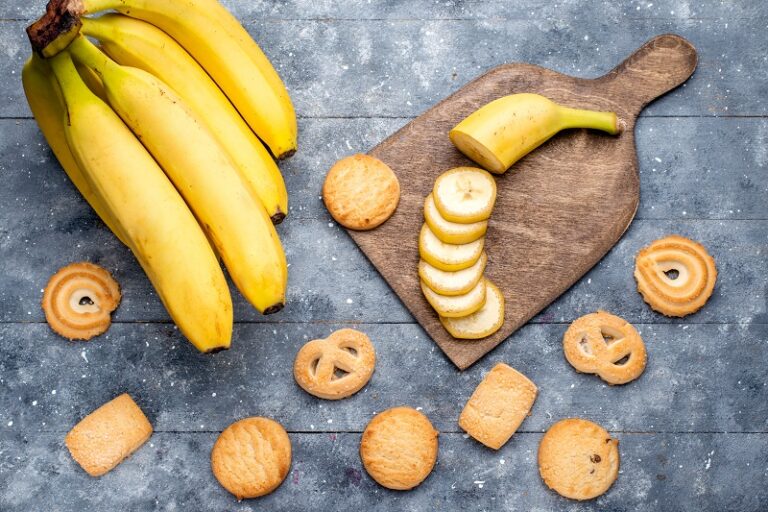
(657, 67)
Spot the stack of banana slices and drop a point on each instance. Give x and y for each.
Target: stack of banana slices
(162, 127)
(453, 261)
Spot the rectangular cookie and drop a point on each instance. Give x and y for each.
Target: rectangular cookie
(108, 435)
(498, 406)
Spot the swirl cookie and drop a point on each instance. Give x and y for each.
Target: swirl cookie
(675, 275)
(578, 459)
(606, 345)
(79, 300)
(361, 192)
(399, 448)
(336, 367)
(251, 457)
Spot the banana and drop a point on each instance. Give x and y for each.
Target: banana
(452, 283)
(202, 171)
(158, 227)
(226, 51)
(451, 232)
(505, 130)
(483, 322)
(46, 103)
(465, 195)
(456, 306)
(132, 42)
(448, 257)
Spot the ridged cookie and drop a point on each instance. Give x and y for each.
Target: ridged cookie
(606, 345)
(251, 457)
(578, 459)
(108, 435)
(498, 406)
(361, 192)
(335, 367)
(399, 448)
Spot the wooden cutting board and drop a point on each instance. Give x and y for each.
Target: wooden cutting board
(559, 210)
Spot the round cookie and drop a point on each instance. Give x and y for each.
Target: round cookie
(336, 367)
(361, 192)
(79, 299)
(251, 457)
(578, 459)
(675, 275)
(606, 345)
(399, 448)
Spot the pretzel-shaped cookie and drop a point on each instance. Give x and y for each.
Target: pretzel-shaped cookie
(680, 294)
(79, 300)
(606, 345)
(337, 366)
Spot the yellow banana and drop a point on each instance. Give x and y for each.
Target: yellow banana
(158, 227)
(47, 105)
(203, 173)
(505, 130)
(132, 42)
(227, 52)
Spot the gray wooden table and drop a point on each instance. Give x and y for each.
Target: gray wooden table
(693, 430)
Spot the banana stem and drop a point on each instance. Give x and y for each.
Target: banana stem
(576, 118)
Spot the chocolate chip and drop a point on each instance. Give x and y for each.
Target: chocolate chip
(595, 458)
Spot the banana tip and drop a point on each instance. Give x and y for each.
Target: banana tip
(274, 308)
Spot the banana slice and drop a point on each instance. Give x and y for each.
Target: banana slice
(451, 232)
(484, 322)
(465, 195)
(452, 283)
(458, 305)
(448, 257)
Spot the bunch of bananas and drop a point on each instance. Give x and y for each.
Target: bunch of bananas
(160, 128)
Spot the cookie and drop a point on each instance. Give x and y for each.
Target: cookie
(606, 345)
(108, 435)
(578, 459)
(79, 300)
(498, 406)
(399, 448)
(361, 192)
(251, 457)
(675, 275)
(337, 366)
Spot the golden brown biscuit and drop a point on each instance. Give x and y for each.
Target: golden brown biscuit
(251, 457)
(606, 345)
(335, 367)
(108, 435)
(361, 192)
(675, 275)
(578, 459)
(498, 406)
(79, 299)
(399, 448)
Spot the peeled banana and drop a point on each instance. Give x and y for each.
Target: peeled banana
(132, 42)
(225, 50)
(203, 173)
(505, 130)
(156, 223)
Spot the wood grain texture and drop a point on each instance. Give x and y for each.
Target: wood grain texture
(558, 211)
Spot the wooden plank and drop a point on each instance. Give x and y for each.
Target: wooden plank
(454, 9)
(709, 168)
(671, 472)
(350, 290)
(364, 68)
(699, 378)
